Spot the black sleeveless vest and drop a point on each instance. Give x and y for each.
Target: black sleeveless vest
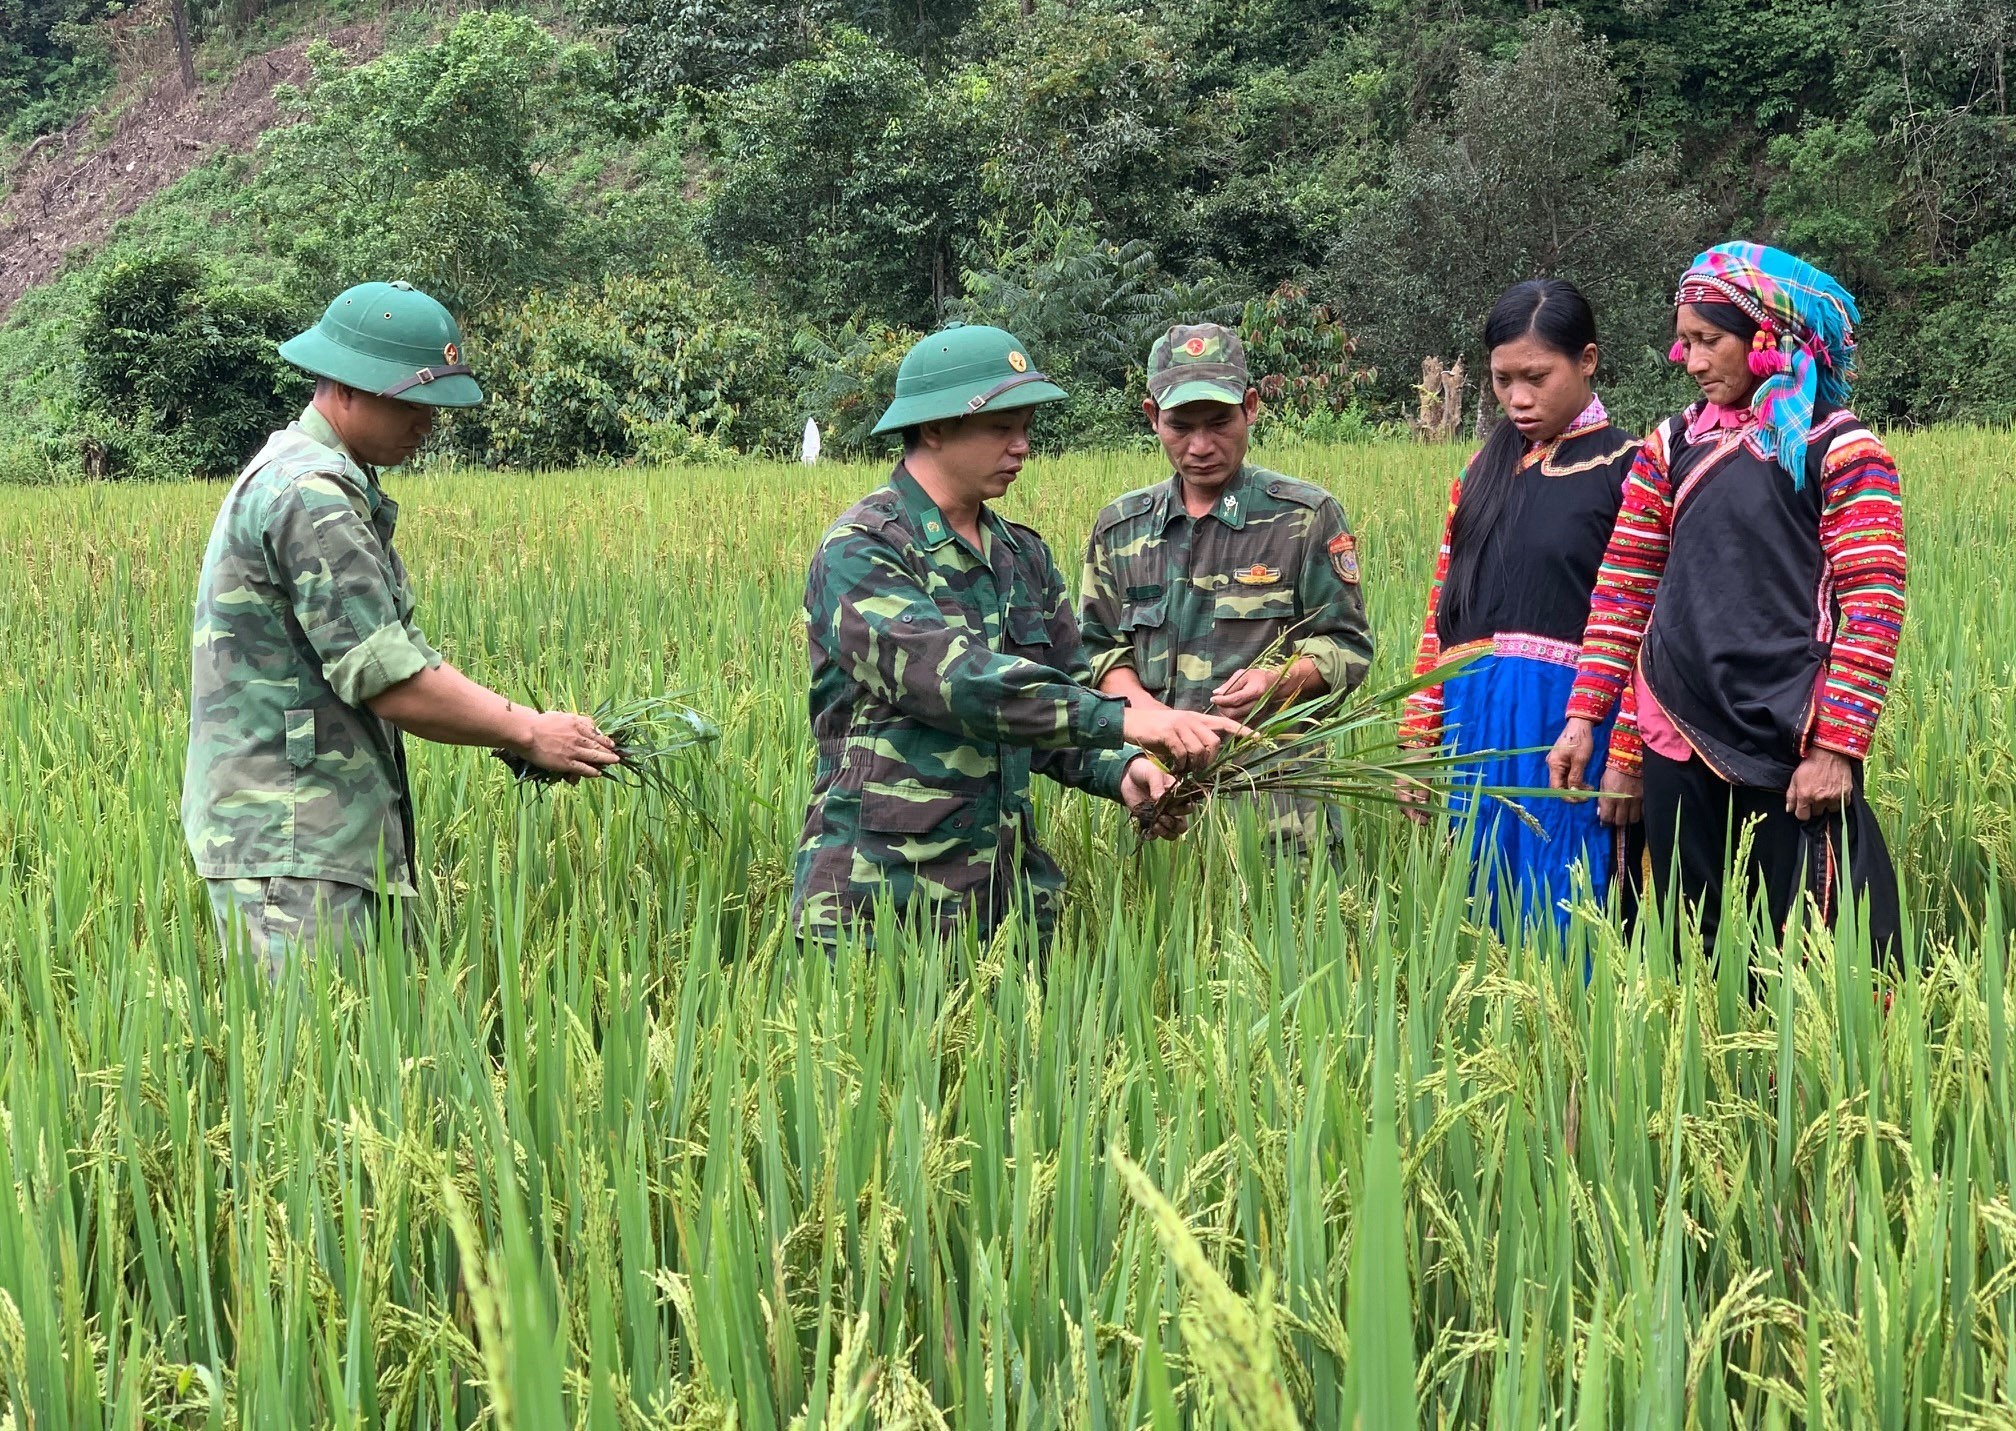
(1743, 621)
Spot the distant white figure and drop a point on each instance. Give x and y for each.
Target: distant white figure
(808, 450)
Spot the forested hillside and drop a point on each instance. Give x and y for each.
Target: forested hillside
(675, 228)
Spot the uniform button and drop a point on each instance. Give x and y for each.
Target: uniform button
(906, 618)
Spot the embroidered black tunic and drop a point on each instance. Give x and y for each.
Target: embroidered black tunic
(1540, 558)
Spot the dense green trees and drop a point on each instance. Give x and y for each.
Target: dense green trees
(51, 63)
(1530, 174)
(792, 188)
(431, 161)
(177, 371)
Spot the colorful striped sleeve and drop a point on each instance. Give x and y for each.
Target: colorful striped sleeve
(1625, 585)
(1627, 749)
(1862, 541)
(1421, 716)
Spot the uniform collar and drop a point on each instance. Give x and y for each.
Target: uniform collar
(1230, 508)
(929, 523)
(317, 429)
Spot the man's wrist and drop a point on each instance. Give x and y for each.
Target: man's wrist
(1304, 679)
(514, 730)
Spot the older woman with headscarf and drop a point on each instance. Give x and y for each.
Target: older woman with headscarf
(1753, 594)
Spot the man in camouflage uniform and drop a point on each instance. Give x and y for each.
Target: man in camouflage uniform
(306, 664)
(946, 670)
(1228, 588)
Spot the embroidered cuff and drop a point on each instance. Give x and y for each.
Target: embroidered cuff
(1842, 740)
(1584, 704)
(1421, 725)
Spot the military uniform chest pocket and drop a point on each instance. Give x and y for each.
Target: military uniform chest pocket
(1027, 626)
(1145, 624)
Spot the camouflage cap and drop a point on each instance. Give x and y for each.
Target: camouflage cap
(1197, 362)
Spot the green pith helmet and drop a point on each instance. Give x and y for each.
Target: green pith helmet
(390, 339)
(959, 371)
(1197, 362)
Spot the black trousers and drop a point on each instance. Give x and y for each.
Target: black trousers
(1694, 820)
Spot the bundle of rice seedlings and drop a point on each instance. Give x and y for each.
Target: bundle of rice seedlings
(1319, 750)
(655, 737)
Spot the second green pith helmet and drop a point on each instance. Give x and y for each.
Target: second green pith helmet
(392, 340)
(961, 370)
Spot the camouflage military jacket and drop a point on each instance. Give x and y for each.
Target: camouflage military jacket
(303, 613)
(1187, 602)
(942, 677)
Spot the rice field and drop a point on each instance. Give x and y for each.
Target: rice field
(1255, 1148)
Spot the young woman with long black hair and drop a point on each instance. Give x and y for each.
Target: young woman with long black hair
(1527, 526)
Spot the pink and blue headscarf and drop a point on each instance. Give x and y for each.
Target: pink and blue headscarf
(1805, 344)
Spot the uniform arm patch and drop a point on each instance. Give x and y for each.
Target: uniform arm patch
(1344, 558)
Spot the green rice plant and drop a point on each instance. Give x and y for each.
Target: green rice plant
(654, 737)
(597, 1147)
(1343, 751)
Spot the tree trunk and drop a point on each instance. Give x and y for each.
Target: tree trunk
(178, 11)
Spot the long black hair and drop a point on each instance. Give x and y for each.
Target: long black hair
(1554, 312)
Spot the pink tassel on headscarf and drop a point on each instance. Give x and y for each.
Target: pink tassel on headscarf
(1767, 362)
(1677, 353)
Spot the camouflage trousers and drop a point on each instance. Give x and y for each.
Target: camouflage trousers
(276, 920)
(1300, 827)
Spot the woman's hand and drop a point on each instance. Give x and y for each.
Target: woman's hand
(1821, 785)
(1622, 798)
(1413, 800)
(1568, 761)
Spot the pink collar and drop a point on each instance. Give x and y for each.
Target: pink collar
(1592, 416)
(1588, 420)
(1713, 417)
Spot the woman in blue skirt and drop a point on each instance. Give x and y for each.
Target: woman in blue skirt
(1528, 523)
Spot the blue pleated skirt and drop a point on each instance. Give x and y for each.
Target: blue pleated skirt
(1515, 698)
